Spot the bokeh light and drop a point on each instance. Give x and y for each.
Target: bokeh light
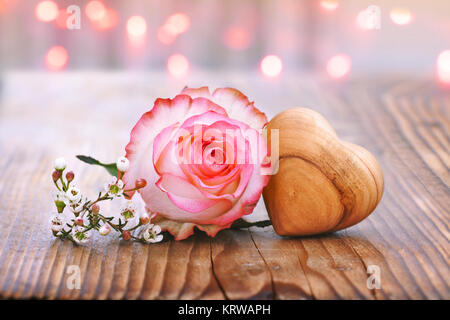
(178, 66)
(362, 21)
(178, 23)
(339, 66)
(271, 66)
(46, 11)
(6, 5)
(401, 16)
(443, 67)
(61, 20)
(237, 38)
(108, 21)
(174, 25)
(136, 26)
(95, 10)
(165, 36)
(56, 58)
(329, 5)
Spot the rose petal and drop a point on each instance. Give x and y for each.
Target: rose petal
(234, 102)
(182, 230)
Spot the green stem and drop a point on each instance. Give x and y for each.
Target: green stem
(135, 227)
(63, 184)
(56, 184)
(115, 227)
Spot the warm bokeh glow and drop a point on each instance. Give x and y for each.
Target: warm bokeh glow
(109, 20)
(329, 5)
(6, 5)
(237, 38)
(46, 11)
(136, 26)
(61, 20)
(178, 66)
(175, 25)
(401, 16)
(95, 10)
(56, 58)
(339, 66)
(362, 21)
(178, 23)
(443, 67)
(271, 66)
(165, 35)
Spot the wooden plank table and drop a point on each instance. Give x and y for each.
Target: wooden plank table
(402, 120)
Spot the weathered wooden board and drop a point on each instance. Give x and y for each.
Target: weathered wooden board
(404, 121)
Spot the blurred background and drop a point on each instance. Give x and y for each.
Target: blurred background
(336, 38)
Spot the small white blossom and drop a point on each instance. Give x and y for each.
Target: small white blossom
(79, 234)
(115, 187)
(152, 234)
(60, 200)
(122, 164)
(77, 207)
(56, 223)
(144, 218)
(60, 164)
(59, 196)
(73, 194)
(128, 210)
(104, 230)
(111, 182)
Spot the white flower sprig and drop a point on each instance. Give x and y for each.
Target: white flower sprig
(84, 214)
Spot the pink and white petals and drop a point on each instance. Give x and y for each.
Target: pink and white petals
(235, 103)
(201, 155)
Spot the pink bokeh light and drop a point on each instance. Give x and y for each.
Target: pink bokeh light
(443, 67)
(329, 5)
(339, 66)
(56, 58)
(237, 38)
(108, 21)
(271, 66)
(46, 11)
(178, 66)
(401, 16)
(95, 10)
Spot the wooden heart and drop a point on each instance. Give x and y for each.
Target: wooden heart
(323, 184)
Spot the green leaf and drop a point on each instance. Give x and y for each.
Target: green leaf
(110, 167)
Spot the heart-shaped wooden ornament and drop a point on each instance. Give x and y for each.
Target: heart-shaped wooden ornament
(323, 184)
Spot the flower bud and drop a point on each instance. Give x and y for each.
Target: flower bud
(104, 230)
(126, 235)
(69, 176)
(60, 164)
(95, 209)
(144, 218)
(79, 222)
(122, 164)
(140, 183)
(56, 175)
(60, 205)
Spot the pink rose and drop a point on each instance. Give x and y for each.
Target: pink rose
(203, 156)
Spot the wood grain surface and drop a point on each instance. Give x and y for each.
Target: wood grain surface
(404, 121)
